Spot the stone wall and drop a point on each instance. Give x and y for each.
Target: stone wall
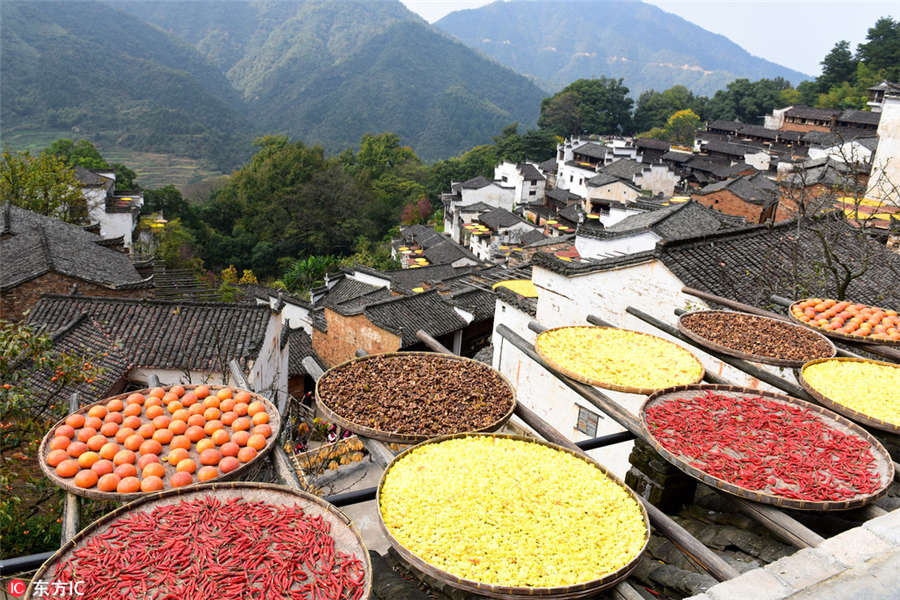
(16, 301)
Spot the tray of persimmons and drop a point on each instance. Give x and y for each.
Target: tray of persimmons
(156, 439)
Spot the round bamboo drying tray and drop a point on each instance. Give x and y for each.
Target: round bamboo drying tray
(837, 335)
(605, 384)
(882, 459)
(396, 437)
(346, 537)
(581, 590)
(769, 360)
(850, 413)
(69, 485)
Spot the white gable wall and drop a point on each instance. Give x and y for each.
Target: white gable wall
(562, 300)
(590, 247)
(658, 179)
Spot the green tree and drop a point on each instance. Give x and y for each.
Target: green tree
(838, 66)
(44, 184)
(308, 272)
(882, 48)
(535, 144)
(81, 153)
(682, 127)
(600, 106)
(30, 505)
(747, 101)
(654, 108)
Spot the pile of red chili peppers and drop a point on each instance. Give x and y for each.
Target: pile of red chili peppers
(207, 549)
(764, 445)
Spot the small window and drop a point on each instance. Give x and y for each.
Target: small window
(587, 422)
(571, 178)
(532, 193)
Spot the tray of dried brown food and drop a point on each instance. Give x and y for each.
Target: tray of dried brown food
(756, 338)
(408, 397)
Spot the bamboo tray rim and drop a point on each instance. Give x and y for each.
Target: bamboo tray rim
(768, 360)
(605, 384)
(406, 438)
(68, 484)
(882, 458)
(154, 499)
(500, 591)
(850, 413)
(837, 335)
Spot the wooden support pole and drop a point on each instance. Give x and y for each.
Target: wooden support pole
(284, 470)
(71, 508)
(380, 453)
(748, 368)
(432, 343)
(691, 546)
(800, 535)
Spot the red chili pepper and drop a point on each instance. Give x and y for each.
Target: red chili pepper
(210, 549)
(765, 445)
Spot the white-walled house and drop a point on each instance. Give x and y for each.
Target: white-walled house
(608, 187)
(884, 181)
(477, 192)
(527, 179)
(641, 232)
(117, 214)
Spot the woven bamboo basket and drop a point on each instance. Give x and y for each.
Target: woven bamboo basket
(346, 537)
(347, 423)
(577, 376)
(850, 413)
(769, 360)
(581, 590)
(883, 460)
(68, 484)
(860, 339)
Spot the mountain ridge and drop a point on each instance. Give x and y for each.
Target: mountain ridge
(587, 39)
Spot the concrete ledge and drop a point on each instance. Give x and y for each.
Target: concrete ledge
(756, 584)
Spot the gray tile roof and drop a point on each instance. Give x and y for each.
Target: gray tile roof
(624, 168)
(676, 156)
(808, 112)
(669, 223)
(346, 289)
(759, 131)
(653, 144)
(407, 314)
(530, 236)
(476, 207)
(720, 125)
(447, 252)
(89, 178)
(592, 150)
(755, 189)
(301, 347)
(499, 217)
(157, 334)
(750, 264)
(80, 337)
(563, 196)
(479, 303)
(40, 244)
(422, 235)
(529, 172)
(476, 183)
(548, 166)
(407, 279)
(572, 213)
(730, 148)
(526, 305)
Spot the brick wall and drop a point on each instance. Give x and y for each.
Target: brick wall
(728, 203)
(347, 334)
(14, 302)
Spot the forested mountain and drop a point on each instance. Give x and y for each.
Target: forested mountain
(558, 42)
(203, 78)
(91, 68)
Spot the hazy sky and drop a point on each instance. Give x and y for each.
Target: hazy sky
(794, 33)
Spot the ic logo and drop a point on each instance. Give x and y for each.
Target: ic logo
(16, 587)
